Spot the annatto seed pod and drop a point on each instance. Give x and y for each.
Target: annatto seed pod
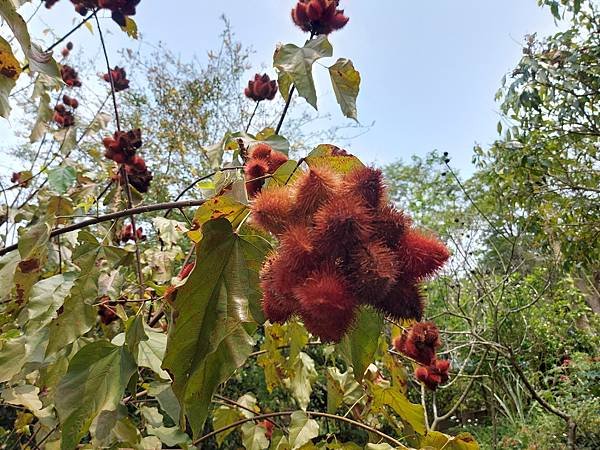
(420, 255)
(420, 342)
(272, 210)
(313, 189)
(327, 305)
(319, 16)
(261, 88)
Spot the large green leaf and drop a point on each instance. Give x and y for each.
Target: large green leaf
(62, 178)
(79, 316)
(8, 264)
(302, 429)
(358, 347)
(254, 436)
(221, 206)
(209, 339)
(298, 61)
(95, 382)
(46, 297)
(437, 440)
(346, 84)
(411, 413)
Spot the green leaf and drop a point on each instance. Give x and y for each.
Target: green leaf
(358, 347)
(8, 264)
(150, 348)
(303, 375)
(46, 297)
(342, 388)
(166, 398)
(297, 62)
(62, 178)
(12, 357)
(222, 206)
(6, 85)
(95, 382)
(170, 436)
(222, 417)
(346, 84)
(254, 436)
(209, 339)
(437, 440)
(24, 395)
(334, 158)
(79, 316)
(409, 412)
(302, 429)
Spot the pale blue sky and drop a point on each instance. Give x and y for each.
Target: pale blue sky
(430, 69)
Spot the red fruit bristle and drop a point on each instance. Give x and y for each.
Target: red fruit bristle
(261, 151)
(297, 249)
(277, 306)
(326, 304)
(313, 189)
(404, 301)
(272, 210)
(276, 160)
(366, 183)
(373, 270)
(420, 255)
(420, 342)
(340, 225)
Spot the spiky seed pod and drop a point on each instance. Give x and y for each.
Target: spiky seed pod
(420, 342)
(319, 16)
(372, 271)
(296, 248)
(255, 168)
(389, 225)
(278, 307)
(314, 188)
(272, 210)
(404, 301)
(276, 160)
(260, 151)
(433, 375)
(340, 225)
(327, 306)
(420, 255)
(366, 183)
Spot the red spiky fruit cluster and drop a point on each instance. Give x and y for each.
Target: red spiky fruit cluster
(121, 146)
(261, 88)
(126, 234)
(420, 342)
(319, 16)
(262, 160)
(62, 116)
(119, 9)
(341, 245)
(433, 375)
(20, 179)
(69, 76)
(119, 77)
(138, 174)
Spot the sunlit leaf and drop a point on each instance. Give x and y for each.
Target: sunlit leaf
(209, 338)
(346, 84)
(298, 61)
(334, 158)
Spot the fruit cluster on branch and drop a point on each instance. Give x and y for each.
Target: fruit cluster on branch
(319, 16)
(119, 77)
(120, 9)
(421, 342)
(341, 245)
(261, 88)
(263, 160)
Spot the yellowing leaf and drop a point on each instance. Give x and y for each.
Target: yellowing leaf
(346, 84)
(9, 66)
(334, 158)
